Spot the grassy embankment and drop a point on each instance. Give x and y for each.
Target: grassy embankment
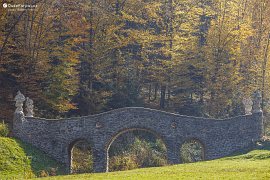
(19, 160)
(252, 165)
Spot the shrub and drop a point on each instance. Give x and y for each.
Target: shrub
(43, 173)
(149, 154)
(82, 158)
(53, 171)
(140, 154)
(191, 152)
(3, 130)
(122, 163)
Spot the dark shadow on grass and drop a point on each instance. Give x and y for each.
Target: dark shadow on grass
(40, 162)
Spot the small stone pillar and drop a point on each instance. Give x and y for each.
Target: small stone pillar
(29, 107)
(19, 98)
(257, 99)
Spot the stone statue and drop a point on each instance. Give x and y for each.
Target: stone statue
(19, 98)
(257, 99)
(29, 107)
(248, 105)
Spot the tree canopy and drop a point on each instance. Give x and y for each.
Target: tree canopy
(193, 57)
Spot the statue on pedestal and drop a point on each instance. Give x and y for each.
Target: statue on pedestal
(29, 107)
(257, 99)
(248, 105)
(19, 98)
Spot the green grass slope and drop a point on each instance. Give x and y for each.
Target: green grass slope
(19, 160)
(252, 165)
(14, 164)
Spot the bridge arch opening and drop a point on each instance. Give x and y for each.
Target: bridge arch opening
(136, 148)
(192, 150)
(81, 157)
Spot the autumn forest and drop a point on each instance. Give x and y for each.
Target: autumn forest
(193, 57)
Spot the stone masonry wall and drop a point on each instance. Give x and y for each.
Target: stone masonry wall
(56, 137)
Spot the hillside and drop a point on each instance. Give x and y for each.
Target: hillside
(252, 165)
(19, 160)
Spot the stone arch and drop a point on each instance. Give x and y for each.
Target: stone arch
(116, 135)
(123, 131)
(71, 147)
(196, 142)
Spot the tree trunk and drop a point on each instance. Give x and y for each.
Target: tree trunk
(150, 92)
(162, 97)
(169, 96)
(156, 89)
(264, 71)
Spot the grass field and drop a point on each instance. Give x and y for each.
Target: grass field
(252, 165)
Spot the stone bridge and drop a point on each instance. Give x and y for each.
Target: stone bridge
(56, 137)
